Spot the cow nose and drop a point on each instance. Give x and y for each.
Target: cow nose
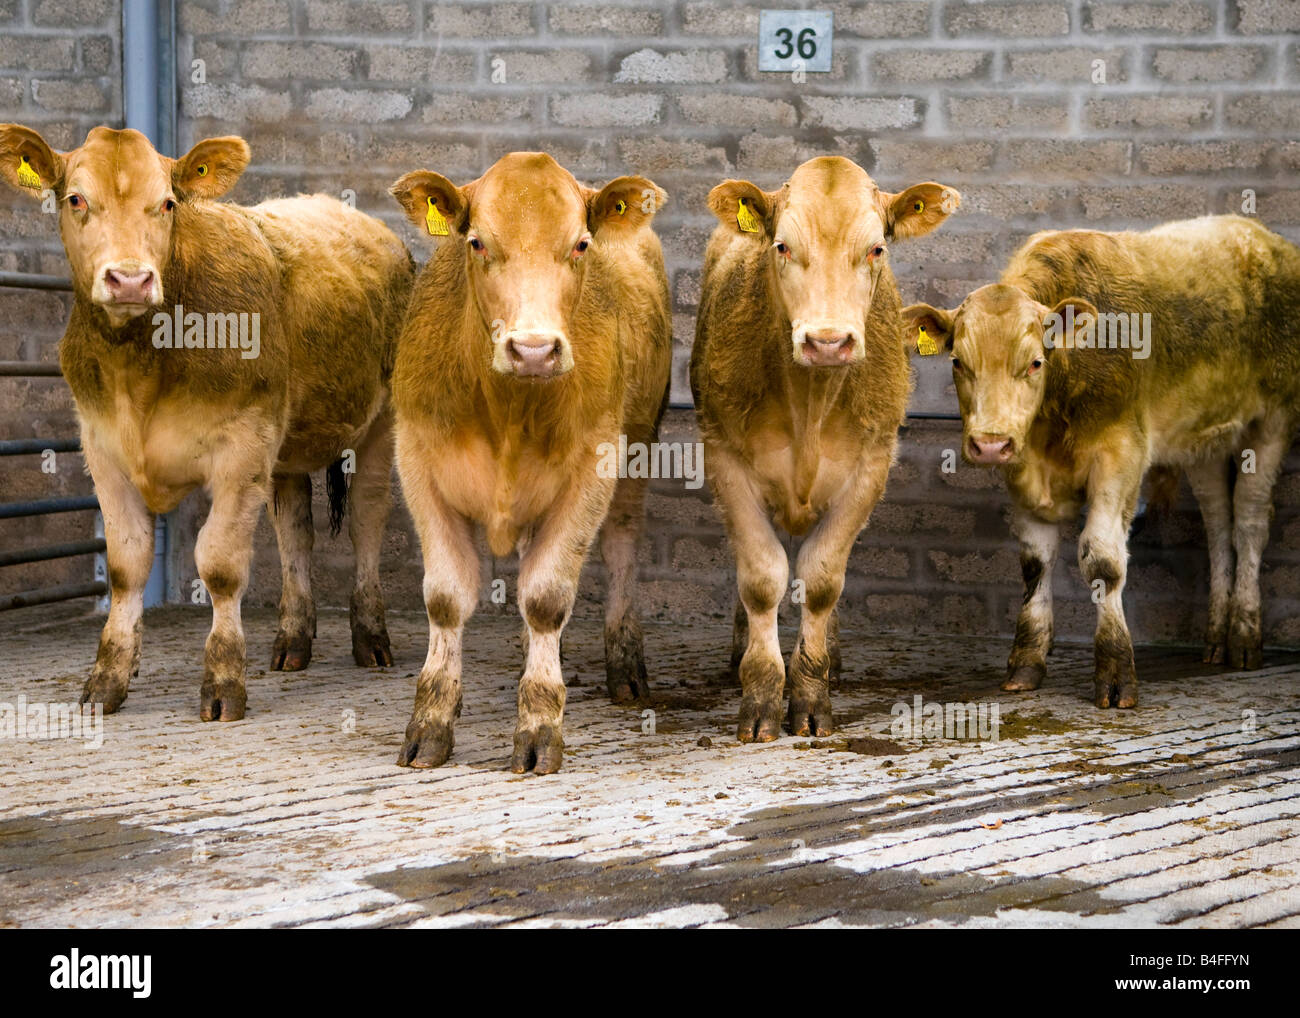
(991, 448)
(828, 346)
(129, 287)
(534, 353)
(835, 336)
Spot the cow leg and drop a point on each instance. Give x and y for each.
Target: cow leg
(1027, 665)
(223, 553)
(369, 499)
(762, 575)
(821, 562)
(1103, 560)
(625, 671)
(128, 532)
(739, 637)
(451, 574)
(1209, 483)
(550, 565)
(1252, 507)
(290, 512)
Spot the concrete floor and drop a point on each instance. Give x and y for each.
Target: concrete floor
(1185, 811)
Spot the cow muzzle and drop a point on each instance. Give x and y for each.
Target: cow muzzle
(127, 289)
(537, 354)
(990, 450)
(827, 346)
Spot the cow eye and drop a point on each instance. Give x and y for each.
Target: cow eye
(75, 201)
(580, 248)
(169, 205)
(475, 244)
(781, 248)
(877, 251)
(1034, 365)
(956, 364)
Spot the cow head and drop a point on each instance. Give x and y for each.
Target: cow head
(1004, 347)
(526, 226)
(827, 229)
(117, 202)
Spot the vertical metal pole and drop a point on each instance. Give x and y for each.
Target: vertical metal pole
(101, 566)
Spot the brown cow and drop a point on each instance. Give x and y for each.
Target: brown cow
(230, 348)
(538, 332)
(1100, 355)
(800, 383)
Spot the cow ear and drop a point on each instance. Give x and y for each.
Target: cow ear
(432, 202)
(918, 210)
(927, 330)
(210, 168)
(624, 204)
(744, 208)
(26, 161)
(1071, 323)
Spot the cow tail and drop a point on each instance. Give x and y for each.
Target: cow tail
(336, 489)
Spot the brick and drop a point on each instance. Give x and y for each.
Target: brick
(944, 246)
(844, 68)
(358, 17)
(538, 67)
(1172, 158)
(482, 107)
(1000, 568)
(294, 61)
(761, 152)
(648, 66)
(1186, 64)
(995, 113)
(1150, 203)
(1279, 206)
(1008, 20)
(1263, 113)
(1076, 65)
(69, 95)
(1009, 201)
(407, 64)
(240, 18)
(98, 53)
(897, 20)
(908, 160)
(737, 110)
(1175, 112)
(904, 66)
(73, 13)
(220, 59)
(27, 53)
(1267, 17)
(603, 19)
(725, 20)
(658, 154)
(481, 21)
(852, 113)
(450, 155)
(357, 105)
(593, 109)
(1154, 18)
(12, 91)
(1071, 158)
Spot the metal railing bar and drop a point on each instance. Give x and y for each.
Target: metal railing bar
(35, 281)
(41, 506)
(29, 369)
(68, 549)
(36, 446)
(47, 595)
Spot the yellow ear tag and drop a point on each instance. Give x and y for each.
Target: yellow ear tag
(746, 220)
(919, 207)
(434, 221)
(27, 177)
(202, 170)
(925, 346)
(620, 207)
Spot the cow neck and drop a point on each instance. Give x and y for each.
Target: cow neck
(809, 395)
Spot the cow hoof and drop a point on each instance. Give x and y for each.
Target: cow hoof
(810, 716)
(106, 692)
(626, 688)
(371, 649)
(222, 701)
(427, 744)
(1247, 654)
(1215, 653)
(1116, 686)
(539, 750)
(625, 672)
(1024, 678)
(759, 722)
(290, 653)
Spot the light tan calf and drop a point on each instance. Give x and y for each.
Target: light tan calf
(1194, 364)
(800, 383)
(170, 401)
(539, 330)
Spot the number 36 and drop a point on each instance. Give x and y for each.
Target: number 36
(807, 43)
